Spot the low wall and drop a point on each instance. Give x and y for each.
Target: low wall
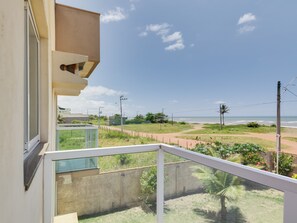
(90, 192)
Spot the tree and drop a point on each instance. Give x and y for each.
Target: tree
(60, 119)
(150, 117)
(224, 109)
(221, 185)
(161, 117)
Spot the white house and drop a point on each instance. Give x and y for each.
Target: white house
(46, 50)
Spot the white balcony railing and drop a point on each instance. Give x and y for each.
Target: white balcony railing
(287, 185)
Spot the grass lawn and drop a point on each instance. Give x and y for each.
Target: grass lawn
(231, 129)
(294, 139)
(108, 138)
(234, 139)
(256, 206)
(157, 128)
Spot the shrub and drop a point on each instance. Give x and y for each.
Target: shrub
(148, 184)
(253, 125)
(116, 134)
(273, 125)
(294, 176)
(285, 163)
(123, 158)
(250, 154)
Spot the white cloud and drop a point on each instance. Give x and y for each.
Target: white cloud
(246, 18)
(132, 7)
(179, 45)
(95, 91)
(142, 34)
(114, 15)
(91, 98)
(163, 30)
(157, 27)
(177, 36)
(246, 29)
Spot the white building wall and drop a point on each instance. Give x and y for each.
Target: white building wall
(16, 204)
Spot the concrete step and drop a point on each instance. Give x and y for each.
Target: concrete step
(66, 218)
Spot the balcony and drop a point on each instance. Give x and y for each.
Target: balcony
(76, 136)
(269, 196)
(77, 50)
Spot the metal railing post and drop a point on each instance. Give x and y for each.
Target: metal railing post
(290, 201)
(49, 189)
(160, 185)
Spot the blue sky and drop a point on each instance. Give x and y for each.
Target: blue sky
(188, 56)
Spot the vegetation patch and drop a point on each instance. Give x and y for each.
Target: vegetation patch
(159, 128)
(232, 129)
(294, 139)
(285, 166)
(226, 139)
(110, 138)
(246, 154)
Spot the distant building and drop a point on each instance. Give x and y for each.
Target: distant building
(115, 120)
(64, 110)
(69, 118)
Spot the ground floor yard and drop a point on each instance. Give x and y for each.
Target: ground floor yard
(255, 206)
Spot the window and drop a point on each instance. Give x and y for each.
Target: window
(32, 85)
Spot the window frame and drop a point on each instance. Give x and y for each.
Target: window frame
(30, 144)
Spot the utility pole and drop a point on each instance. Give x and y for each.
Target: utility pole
(278, 125)
(122, 98)
(220, 111)
(172, 118)
(99, 113)
(162, 118)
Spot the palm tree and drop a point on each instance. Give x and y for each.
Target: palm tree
(220, 185)
(224, 109)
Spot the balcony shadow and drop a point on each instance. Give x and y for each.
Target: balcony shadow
(249, 186)
(152, 208)
(234, 215)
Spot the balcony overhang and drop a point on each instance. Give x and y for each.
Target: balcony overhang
(78, 32)
(68, 81)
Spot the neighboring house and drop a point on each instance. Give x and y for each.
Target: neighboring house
(69, 118)
(64, 110)
(46, 50)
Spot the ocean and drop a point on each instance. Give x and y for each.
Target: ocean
(286, 121)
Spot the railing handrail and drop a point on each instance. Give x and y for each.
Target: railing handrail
(269, 179)
(282, 183)
(76, 126)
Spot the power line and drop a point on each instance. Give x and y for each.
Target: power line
(291, 92)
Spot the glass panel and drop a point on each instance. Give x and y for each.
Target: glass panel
(71, 137)
(124, 192)
(196, 193)
(33, 83)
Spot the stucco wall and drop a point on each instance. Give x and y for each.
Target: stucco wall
(16, 204)
(88, 193)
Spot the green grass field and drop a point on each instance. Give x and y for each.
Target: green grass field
(256, 206)
(231, 129)
(294, 139)
(108, 138)
(234, 139)
(159, 128)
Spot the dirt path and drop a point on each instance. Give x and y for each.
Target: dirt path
(176, 138)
